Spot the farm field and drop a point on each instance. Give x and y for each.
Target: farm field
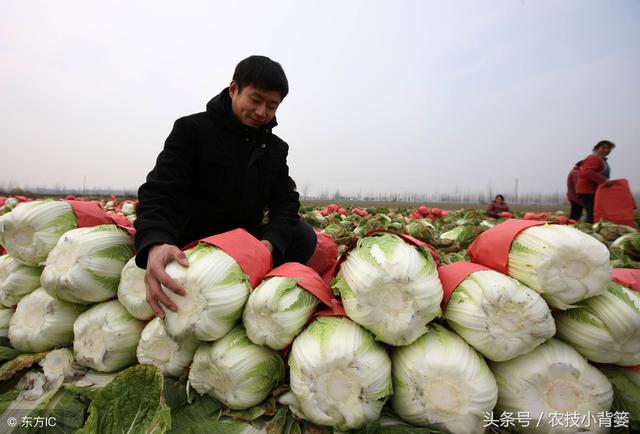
(392, 205)
(417, 330)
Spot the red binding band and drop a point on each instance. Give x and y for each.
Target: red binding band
(325, 257)
(307, 278)
(627, 277)
(491, 248)
(252, 256)
(452, 275)
(336, 309)
(90, 213)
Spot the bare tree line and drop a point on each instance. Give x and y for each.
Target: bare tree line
(457, 196)
(9, 189)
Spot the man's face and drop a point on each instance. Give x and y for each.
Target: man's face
(254, 107)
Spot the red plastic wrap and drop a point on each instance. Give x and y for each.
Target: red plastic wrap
(308, 279)
(325, 258)
(491, 248)
(252, 256)
(615, 203)
(91, 214)
(452, 275)
(628, 277)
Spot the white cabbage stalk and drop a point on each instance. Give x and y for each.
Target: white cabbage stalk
(390, 288)
(276, 312)
(10, 203)
(32, 229)
(235, 371)
(36, 388)
(77, 379)
(85, 265)
(33, 390)
(499, 316)
(563, 264)
(61, 362)
(441, 381)
(487, 224)
(128, 208)
(106, 337)
(16, 280)
(132, 291)
(42, 323)
(550, 380)
(454, 234)
(91, 380)
(217, 290)
(605, 328)
(5, 318)
(339, 375)
(157, 348)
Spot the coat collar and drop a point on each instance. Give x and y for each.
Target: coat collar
(219, 108)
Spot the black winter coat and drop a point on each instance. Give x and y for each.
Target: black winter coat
(213, 175)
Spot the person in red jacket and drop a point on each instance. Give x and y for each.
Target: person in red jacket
(572, 196)
(495, 207)
(594, 171)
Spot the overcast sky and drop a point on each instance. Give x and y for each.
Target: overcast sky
(385, 96)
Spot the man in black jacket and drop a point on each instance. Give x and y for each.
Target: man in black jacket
(222, 169)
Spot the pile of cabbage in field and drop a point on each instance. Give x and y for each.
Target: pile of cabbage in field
(80, 349)
(452, 231)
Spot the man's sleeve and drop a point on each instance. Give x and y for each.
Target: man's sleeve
(283, 211)
(162, 199)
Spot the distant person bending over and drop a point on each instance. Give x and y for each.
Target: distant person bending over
(572, 196)
(495, 207)
(220, 170)
(594, 171)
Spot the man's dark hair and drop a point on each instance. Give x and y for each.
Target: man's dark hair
(263, 73)
(500, 196)
(604, 143)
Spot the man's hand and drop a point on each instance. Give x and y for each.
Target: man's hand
(268, 245)
(155, 276)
